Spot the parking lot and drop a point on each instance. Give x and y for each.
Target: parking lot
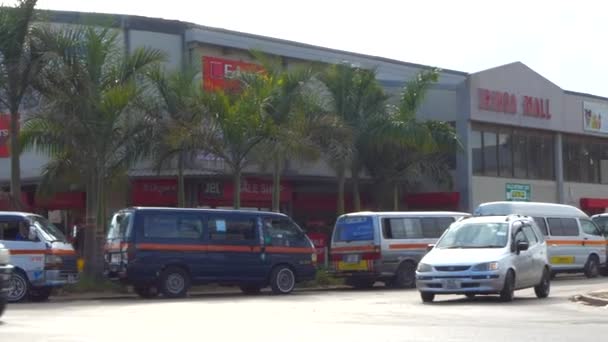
(333, 315)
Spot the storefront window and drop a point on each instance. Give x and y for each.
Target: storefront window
(603, 163)
(477, 147)
(505, 153)
(490, 154)
(547, 169)
(534, 157)
(520, 155)
(585, 160)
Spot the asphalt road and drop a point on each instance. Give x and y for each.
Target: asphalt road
(337, 315)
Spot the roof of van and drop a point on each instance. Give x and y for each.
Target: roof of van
(408, 213)
(17, 213)
(529, 208)
(206, 210)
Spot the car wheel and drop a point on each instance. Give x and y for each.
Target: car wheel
(146, 292)
(18, 287)
(427, 297)
(542, 290)
(282, 280)
(40, 294)
(361, 283)
(470, 295)
(405, 278)
(508, 289)
(592, 267)
(250, 289)
(174, 282)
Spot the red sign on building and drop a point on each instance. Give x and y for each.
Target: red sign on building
(154, 192)
(252, 189)
(219, 73)
(504, 102)
(5, 126)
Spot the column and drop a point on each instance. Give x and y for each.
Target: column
(559, 168)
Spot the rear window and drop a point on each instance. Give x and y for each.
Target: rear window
(415, 228)
(563, 226)
(358, 228)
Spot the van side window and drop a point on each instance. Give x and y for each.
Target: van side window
(232, 229)
(172, 226)
(590, 228)
(9, 231)
(563, 226)
(542, 225)
(282, 232)
(402, 228)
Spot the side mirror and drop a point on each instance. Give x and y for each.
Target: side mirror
(430, 246)
(32, 236)
(522, 246)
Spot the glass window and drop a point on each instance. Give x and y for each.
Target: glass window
(602, 223)
(534, 156)
(433, 227)
(490, 154)
(475, 235)
(119, 225)
(547, 148)
(594, 163)
(584, 157)
(542, 225)
(355, 228)
(282, 232)
(232, 229)
(505, 153)
(476, 148)
(520, 153)
(402, 228)
(590, 228)
(603, 163)
(172, 226)
(520, 236)
(572, 160)
(563, 226)
(530, 235)
(14, 231)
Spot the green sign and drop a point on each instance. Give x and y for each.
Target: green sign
(518, 192)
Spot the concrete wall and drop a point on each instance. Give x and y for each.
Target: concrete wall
(487, 189)
(573, 192)
(171, 44)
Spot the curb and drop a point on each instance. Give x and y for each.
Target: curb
(590, 299)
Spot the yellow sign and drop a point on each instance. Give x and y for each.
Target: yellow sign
(556, 260)
(357, 266)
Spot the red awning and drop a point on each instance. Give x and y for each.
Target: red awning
(594, 203)
(433, 200)
(62, 201)
(154, 192)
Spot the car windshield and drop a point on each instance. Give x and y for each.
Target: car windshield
(602, 222)
(118, 226)
(476, 235)
(50, 230)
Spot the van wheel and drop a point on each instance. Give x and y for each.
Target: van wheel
(405, 278)
(542, 290)
(282, 280)
(18, 287)
(592, 267)
(174, 282)
(250, 289)
(508, 290)
(40, 294)
(427, 297)
(146, 291)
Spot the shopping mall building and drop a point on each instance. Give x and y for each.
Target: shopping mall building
(525, 138)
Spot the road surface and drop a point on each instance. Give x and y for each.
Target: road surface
(337, 315)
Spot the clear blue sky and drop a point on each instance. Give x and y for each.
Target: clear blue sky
(565, 41)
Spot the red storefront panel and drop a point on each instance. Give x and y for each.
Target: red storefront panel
(433, 200)
(253, 190)
(154, 192)
(5, 126)
(62, 201)
(5, 203)
(217, 72)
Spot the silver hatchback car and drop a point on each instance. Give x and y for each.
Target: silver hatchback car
(486, 255)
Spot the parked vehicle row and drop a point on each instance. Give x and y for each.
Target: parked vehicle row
(6, 270)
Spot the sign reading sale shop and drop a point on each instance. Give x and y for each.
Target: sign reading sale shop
(5, 124)
(219, 73)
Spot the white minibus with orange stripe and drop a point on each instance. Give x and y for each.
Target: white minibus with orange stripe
(41, 256)
(367, 247)
(574, 242)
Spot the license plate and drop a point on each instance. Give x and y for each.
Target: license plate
(451, 284)
(351, 258)
(360, 266)
(557, 260)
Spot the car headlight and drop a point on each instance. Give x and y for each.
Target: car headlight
(424, 268)
(486, 266)
(50, 259)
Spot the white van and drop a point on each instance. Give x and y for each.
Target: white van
(40, 254)
(574, 241)
(385, 246)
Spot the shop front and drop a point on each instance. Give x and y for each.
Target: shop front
(154, 192)
(256, 194)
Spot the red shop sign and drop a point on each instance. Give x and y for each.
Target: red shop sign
(5, 126)
(504, 102)
(151, 192)
(217, 72)
(251, 190)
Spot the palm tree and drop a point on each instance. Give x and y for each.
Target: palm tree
(90, 119)
(19, 63)
(406, 150)
(359, 101)
(178, 95)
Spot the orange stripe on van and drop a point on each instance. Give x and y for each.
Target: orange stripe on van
(60, 252)
(170, 248)
(354, 249)
(596, 243)
(408, 246)
(222, 248)
(290, 250)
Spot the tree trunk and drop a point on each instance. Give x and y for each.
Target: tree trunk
(396, 197)
(341, 181)
(89, 225)
(237, 188)
(356, 192)
(276, 186)
(15, 159)
(181, 191)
